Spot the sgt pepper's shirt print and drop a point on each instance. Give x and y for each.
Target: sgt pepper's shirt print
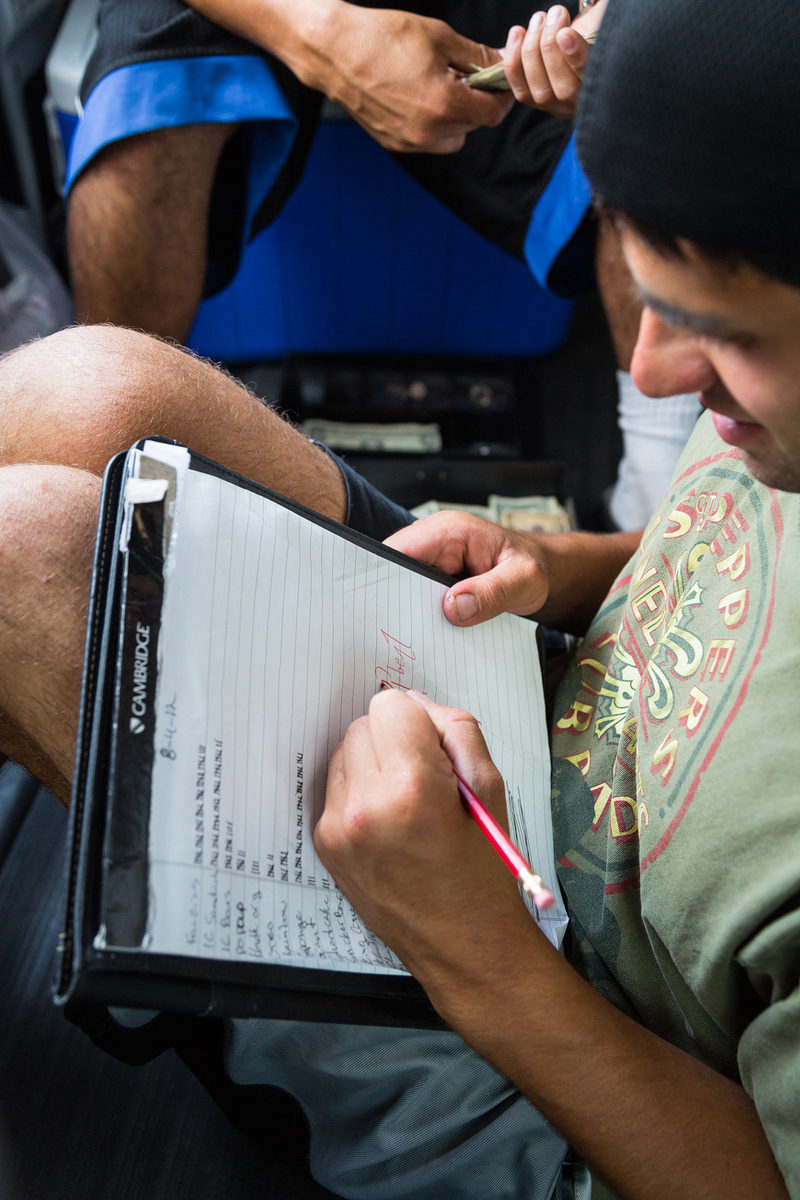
(674, 744)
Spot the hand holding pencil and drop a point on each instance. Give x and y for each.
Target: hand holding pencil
(396, 840)
(498, 838)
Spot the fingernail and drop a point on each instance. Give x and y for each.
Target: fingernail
(554, 14)
(567, 42)
(536, 21)
(466, 606)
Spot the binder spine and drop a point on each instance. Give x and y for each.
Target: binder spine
(124, 902)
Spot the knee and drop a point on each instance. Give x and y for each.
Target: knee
(83, 394)
(48, 516)
(48, 519)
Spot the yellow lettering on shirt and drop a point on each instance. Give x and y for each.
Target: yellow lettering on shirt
(624, 818)
(693, 714)
(578, 718)
(734, 607)
(582, 761)
(665, 756)
(602, 799)
(718, 658)
(737, 564)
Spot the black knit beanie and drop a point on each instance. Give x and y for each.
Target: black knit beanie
(689, 123)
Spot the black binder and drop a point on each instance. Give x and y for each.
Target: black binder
(104, 958)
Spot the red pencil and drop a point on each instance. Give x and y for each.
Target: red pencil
(531, 882)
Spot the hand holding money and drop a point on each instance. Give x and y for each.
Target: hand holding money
(543, 65)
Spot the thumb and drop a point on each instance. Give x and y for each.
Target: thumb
(514, 585)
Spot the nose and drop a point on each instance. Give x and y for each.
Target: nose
(668, 361)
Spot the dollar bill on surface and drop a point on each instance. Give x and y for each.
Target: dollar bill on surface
(402, 438)
(429, 507)
(535, 522)
(532, 514)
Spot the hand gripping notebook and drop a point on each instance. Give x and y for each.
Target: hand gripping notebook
(232, 638)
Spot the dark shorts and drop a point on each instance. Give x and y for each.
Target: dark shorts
(368, 510)
(159, 64)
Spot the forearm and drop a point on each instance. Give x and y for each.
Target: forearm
(581, 568)
(656, 1123)
(298, 32)
(395, 72)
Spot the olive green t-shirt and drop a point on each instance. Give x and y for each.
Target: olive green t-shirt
(676, 784)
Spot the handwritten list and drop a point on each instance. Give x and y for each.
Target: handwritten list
(276, 632)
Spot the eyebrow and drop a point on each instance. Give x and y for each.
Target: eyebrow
(701, 324)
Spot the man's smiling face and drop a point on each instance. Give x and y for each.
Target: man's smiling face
(733, 337)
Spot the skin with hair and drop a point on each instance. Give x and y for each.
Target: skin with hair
(68, 404)
(137, 229)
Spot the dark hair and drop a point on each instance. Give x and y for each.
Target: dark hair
(672, 245)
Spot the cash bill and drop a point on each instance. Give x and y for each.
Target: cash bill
(542, 514)
(532, 514)
(429, 507)
(535, 522)
(489, 79)
(402, 438)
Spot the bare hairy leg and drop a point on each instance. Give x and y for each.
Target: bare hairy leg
(81, 395)
(67, 404)
(138, 228)
(47, 524)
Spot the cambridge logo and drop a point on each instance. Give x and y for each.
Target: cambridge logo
(141, 660)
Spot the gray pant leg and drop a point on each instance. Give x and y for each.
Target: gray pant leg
(403, 1114)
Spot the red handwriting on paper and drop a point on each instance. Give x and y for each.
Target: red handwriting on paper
(400, 656)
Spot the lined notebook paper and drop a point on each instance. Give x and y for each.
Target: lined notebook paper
(275, 633)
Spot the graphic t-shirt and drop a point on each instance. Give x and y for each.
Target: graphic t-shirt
(676, 784)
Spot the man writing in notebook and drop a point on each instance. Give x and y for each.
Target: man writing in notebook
(676, 825)
(664, 1045)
